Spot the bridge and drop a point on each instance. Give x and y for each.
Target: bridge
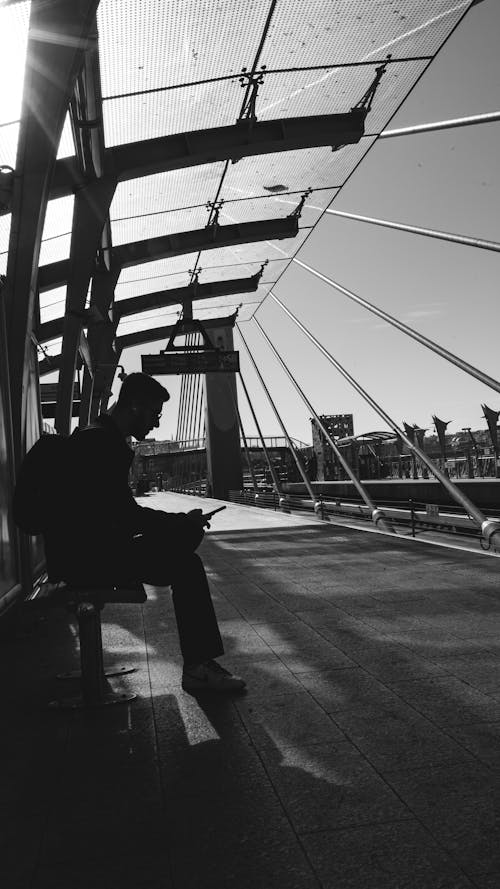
(178, 195)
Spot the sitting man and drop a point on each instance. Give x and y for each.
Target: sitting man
(111, 539)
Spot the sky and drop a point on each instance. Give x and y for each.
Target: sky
(446, 180)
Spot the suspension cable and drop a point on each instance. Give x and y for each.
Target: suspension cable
(417, 230)
(430, 344)
(272, 470)
(377, 514)
(291, 446)
(489, 528)
(442, 125)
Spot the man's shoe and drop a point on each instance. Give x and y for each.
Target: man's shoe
(210, 676)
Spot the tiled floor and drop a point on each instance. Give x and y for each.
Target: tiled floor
(365, 754)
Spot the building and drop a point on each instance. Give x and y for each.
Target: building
(337, 426)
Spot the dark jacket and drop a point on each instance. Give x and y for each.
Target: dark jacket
(93, 541)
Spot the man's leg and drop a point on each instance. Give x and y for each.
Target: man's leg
(199, 634)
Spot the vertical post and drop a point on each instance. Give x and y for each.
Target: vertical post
(224, 472)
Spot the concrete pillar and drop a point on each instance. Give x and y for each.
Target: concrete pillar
(224, 470)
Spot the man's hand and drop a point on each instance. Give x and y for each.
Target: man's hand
(197, 516)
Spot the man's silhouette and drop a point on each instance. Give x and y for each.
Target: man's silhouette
(105, 537)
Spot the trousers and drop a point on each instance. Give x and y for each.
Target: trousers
(182, 570)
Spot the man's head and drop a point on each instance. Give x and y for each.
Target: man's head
(140, 404)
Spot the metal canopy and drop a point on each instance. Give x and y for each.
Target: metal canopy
(181, 102)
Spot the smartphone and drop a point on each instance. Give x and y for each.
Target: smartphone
(208, 515)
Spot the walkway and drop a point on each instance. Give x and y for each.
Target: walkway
(365, 755)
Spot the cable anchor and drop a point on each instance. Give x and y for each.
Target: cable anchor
(250, 81)
(296, 214)
(365, 103)
(214, 208)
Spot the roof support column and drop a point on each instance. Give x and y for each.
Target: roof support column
(100, 337)
(56, 42)
(224, 471)
(91, 212)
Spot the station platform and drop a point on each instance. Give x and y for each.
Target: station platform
(364, 755)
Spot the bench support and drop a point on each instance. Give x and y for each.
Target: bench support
(88, 605)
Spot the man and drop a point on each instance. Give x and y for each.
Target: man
(111, 539)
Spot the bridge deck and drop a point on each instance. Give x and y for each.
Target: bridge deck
(366, 753)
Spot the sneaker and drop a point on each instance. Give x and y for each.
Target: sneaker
(210, 676)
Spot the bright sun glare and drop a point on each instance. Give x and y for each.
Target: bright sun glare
(14, 29)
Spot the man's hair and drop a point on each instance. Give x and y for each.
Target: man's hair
(140, 388)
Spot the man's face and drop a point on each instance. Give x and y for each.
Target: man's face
(146, 416)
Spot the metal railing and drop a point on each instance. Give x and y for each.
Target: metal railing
(408, 516)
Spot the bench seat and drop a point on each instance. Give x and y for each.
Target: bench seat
(87, 603)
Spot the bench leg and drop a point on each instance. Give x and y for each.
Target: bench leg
(94, 692)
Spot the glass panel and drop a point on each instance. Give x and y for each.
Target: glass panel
(53, 347)
(52, 303)
(186, 40)
(293, 170)
(8, 144)
(164, 192)
(190, 108)
(66, 145)
(338, 90)
(55, 249)
(4, 241)
(14, 21)
(319, 32)
(56, 238)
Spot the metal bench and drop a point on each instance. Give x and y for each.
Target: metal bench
(87, 604)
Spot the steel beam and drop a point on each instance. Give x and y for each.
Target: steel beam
(162, 298)
(55, 274)
(128, 341)
(191, 149)
(91, 211)
(56, 42)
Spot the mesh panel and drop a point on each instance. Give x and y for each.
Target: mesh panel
(152, 226)
(185, 40)
(167, 191)
(337, 90)
(252, 254)
(320, 32)
(127, 289)
(248, 211)
(293, 170)
(141, 117)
